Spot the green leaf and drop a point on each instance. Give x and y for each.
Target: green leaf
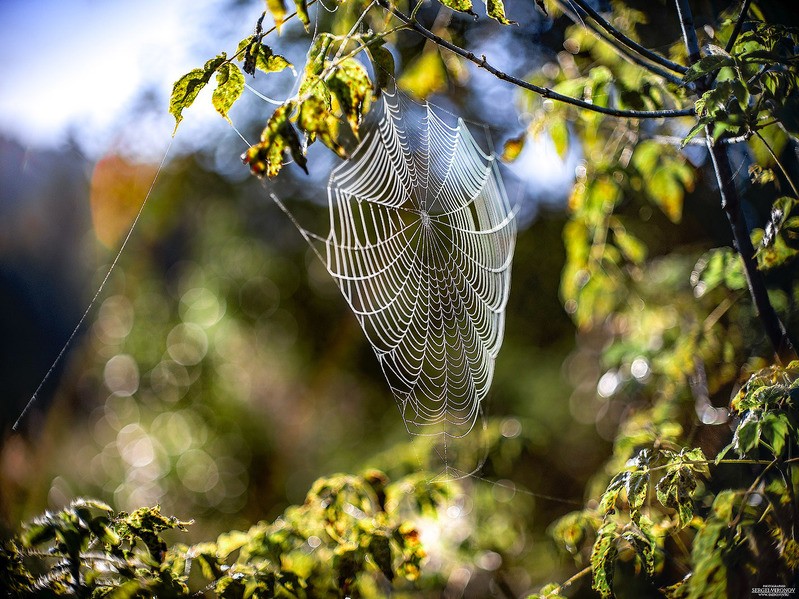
(559, 132)
(643, 543)
(260, 56)
(302, 13)
(496, 10)
(351, 86)
(278, 10)
(747, 434)
(675, 490)
(573, 529)
(779, 244)
(667, 193)
(603, 559)
(186, 89)
(460, 6)
(716, 267)
(277, 139)
(230, 85)
(316, 120)
(636, 488)
(607, 505)
(633, 248)
(382, 65)
(774, 431)
(708, 64)
(698, 128)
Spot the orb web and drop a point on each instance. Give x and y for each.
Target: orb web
(420, 244)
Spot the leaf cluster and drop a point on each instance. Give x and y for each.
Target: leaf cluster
(353, 536)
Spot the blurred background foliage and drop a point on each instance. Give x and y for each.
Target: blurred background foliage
(220, 372)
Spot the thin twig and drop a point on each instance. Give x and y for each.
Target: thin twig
(545, 92)
(572, 580)
(623, 39)
(625, 52)
(738, 24)
(779, 164)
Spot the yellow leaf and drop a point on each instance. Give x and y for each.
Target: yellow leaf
(513, 147)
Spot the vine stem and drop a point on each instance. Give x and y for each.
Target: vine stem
(544, 92)
(731, 205)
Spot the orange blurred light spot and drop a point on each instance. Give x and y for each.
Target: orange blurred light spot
(118, 189)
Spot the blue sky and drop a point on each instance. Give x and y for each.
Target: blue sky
(81, 63)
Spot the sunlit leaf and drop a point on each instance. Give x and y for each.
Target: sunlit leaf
(278, 139)
(603, 559)
(719, 266)
(633, 248)
(513, 147)
(675, 490)
(496, 10)
(351, 86)
(186, 89)
(230, 85)
(667, 192)
(260, 56)
(459, 5)
(559, 132)
(302, 13)
(277, 8)
(707, 65)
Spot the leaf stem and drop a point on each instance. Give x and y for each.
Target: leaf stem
(623, 39)
(544, 92)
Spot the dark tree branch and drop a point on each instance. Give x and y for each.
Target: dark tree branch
(586, 8)
(688, 30)
(731, 205)
(624, 51)
(738, 25)
(544, 92)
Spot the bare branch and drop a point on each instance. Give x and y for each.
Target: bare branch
(731, 204)
(623, 39)
(688, 30)
(738, 24)
(544, 92)
(624, 51)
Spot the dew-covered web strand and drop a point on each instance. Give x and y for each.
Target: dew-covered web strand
(97, 293)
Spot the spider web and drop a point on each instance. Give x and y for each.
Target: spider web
(420, 244)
